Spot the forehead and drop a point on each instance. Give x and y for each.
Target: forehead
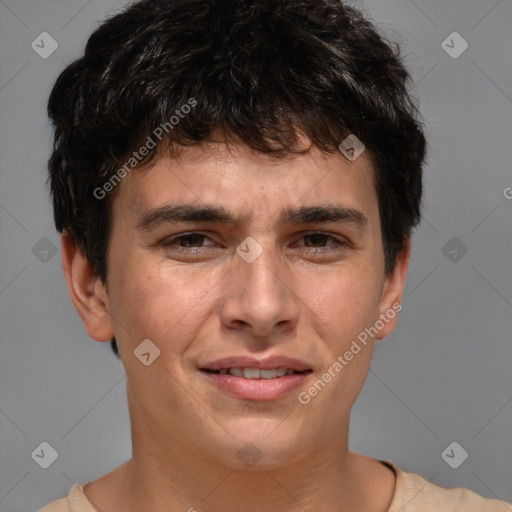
(249, 183)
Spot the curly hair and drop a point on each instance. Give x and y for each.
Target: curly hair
(260, 71)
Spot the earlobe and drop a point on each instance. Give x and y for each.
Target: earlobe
(391, 301)
(86, 290)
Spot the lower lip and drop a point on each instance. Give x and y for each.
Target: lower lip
(258, 389)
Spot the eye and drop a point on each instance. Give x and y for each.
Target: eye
(318, 238)
(323, 241)
(186, 241)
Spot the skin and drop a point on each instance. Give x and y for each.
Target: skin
(205, 302)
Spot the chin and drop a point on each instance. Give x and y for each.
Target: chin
(258, 445)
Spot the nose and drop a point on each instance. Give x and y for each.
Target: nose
(260, 298)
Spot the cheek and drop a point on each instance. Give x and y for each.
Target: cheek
(160, 304)
(341, 310)
(343, 304)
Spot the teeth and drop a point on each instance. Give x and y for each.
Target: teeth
(251, 373)
(256, 373)
(267, 374)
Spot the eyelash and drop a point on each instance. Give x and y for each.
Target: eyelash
(339, 244)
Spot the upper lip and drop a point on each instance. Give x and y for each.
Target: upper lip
(251, 362)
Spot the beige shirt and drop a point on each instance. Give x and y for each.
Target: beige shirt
(412, 494)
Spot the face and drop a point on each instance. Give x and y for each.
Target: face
(225, 259)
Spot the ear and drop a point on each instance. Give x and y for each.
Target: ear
(86, 290)
(391, 300)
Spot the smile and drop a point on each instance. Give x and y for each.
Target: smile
(255, 373)
(257, 384)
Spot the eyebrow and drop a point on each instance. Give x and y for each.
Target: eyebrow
(187, 212)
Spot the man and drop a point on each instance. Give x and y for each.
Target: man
(236, 183)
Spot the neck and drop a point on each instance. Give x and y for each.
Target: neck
(164, 474)
(183, 483)
(171, 473)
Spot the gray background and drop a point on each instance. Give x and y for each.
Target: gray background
(444, 375)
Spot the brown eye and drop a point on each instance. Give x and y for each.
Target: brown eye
(318, 238)
(187, 241)
(319, 241)
(190, 240)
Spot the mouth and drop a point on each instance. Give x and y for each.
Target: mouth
(256, 379)
(252, 373)
(249, 379)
